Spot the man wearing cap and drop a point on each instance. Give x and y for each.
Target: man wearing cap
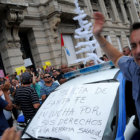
(26, 97)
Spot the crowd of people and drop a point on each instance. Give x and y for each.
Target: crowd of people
(28, 90)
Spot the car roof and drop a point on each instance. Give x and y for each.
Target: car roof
(106, 74)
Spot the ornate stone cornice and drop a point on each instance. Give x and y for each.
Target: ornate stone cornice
(13, 10)
(14, 2)
(14, 16)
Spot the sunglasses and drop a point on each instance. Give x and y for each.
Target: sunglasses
(47, 76)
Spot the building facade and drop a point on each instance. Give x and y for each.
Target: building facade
(32, 28)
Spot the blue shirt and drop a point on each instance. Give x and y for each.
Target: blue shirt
(46, 90)
(131, 72)
(3, 122)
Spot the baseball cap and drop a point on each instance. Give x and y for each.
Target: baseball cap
(26, 76)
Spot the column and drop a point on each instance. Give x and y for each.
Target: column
(103, 8)
(89, 7)
(128, 3)
(10, 42)
(134, 11)
(115, 12)
(123, 11)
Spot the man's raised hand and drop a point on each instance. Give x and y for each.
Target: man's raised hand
(99, 21)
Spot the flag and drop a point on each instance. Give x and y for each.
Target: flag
(62, 41)
(62, 45)
(67, 51)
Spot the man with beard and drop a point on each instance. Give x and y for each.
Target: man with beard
(48, 87)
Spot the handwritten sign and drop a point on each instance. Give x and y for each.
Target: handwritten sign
(27, 62)
(18, 70)
(44, 67)
(48, 63)
(79, 113)
(1, 73)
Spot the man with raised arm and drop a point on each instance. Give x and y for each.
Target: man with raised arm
(130, 66)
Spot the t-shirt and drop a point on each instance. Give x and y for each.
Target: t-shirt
(6, 113)
(37, 88)
(59, 77)
(3, 123)
(131, 71)
(46, 90)
(25, 97)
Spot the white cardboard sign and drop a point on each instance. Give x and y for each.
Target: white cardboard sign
(27, 62)
(77, 113)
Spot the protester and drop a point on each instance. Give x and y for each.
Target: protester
(73, 68)
(47, 70)
(126, 51)
(130, 66)
(81, 66)
(2, 80)
(15, 85)
(41, 80)
(26, 98)
(35, 85)
(51, 70)
(48, 87)
(17, 77)
(7, 114)
(91, 63)
(4, 104)
(105, 58)
(64, 69)
(102, 58)
(39, 70)
(58, 76)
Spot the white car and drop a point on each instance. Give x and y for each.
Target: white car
(89, 106)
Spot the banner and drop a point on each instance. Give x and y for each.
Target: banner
(27, 62)
(18, 69)
(76, 113)
(48, 63)
(1, 73)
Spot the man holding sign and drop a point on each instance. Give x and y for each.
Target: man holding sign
(130, 66)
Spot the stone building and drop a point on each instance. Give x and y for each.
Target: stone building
(32, 28)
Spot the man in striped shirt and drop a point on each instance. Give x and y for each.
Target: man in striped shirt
(26, 97)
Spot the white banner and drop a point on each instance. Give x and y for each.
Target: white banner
(80, 113)
(27, 62)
